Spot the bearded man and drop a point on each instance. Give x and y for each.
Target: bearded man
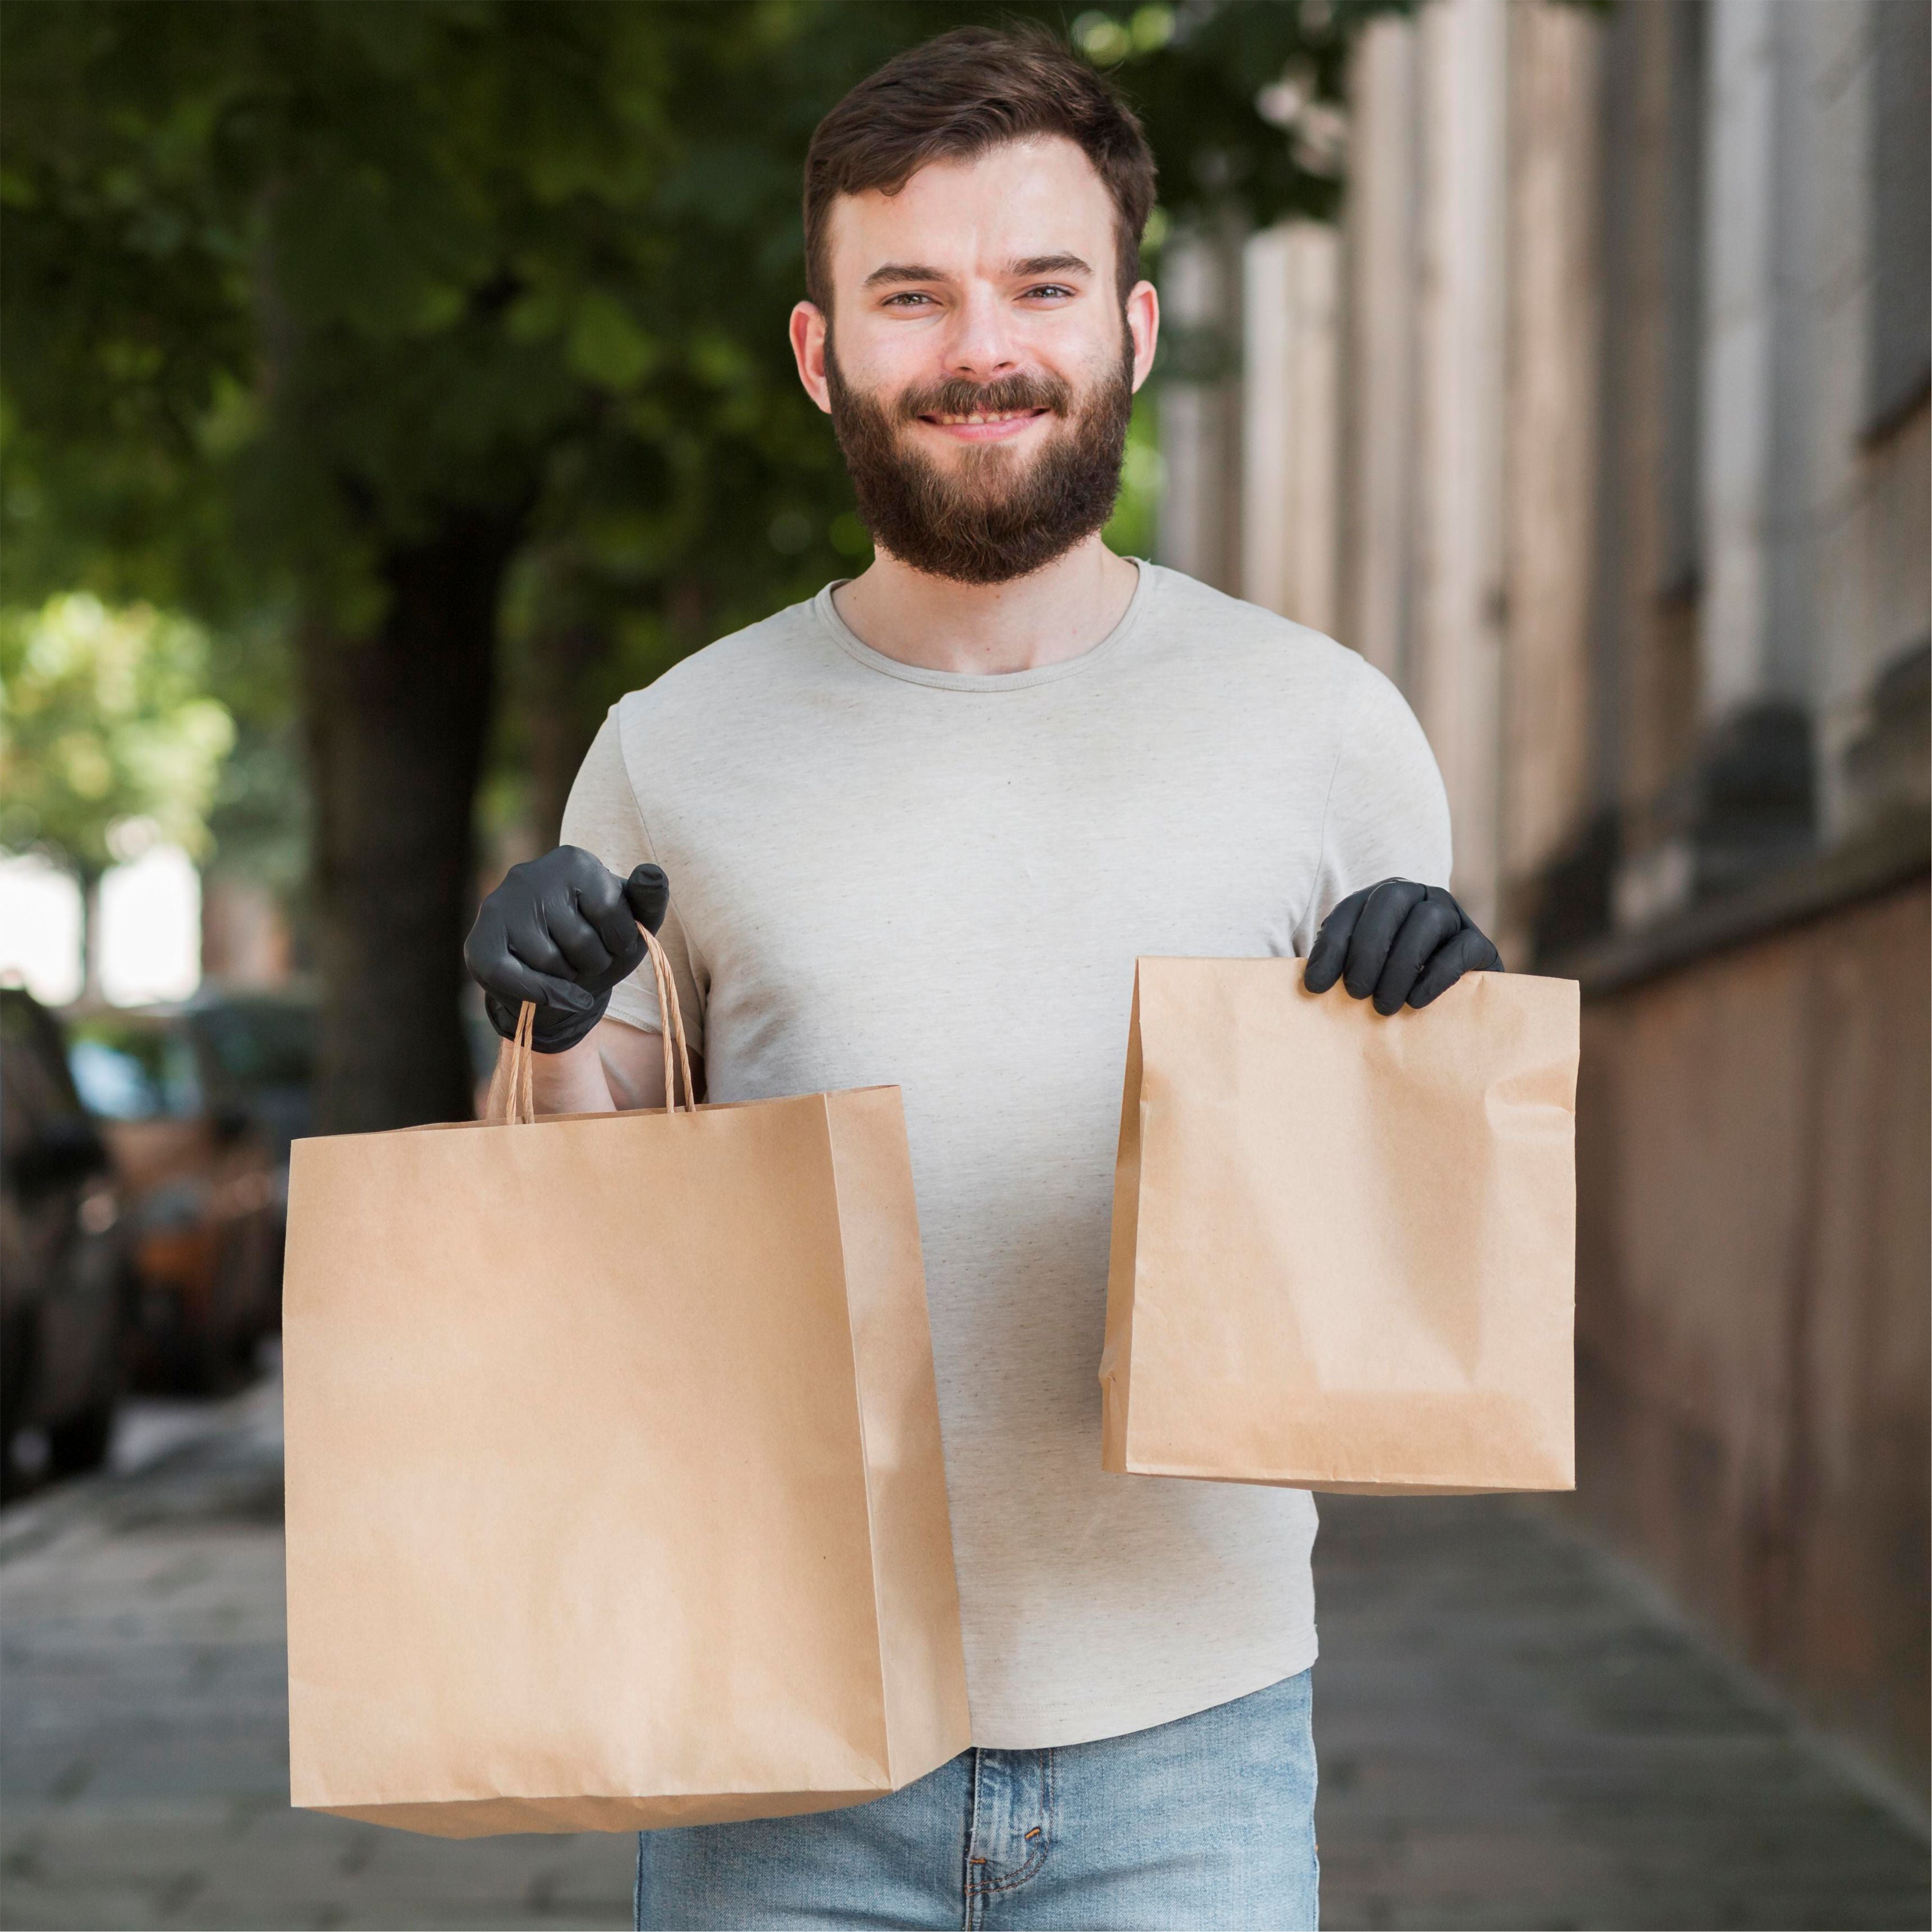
(915, 833)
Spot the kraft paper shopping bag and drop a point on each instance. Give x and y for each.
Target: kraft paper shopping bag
(614, 1489)
(1344, 1243)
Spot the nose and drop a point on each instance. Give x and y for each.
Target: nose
(979, 345)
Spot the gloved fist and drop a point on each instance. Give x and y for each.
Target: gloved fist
(561, 931)
(1399, 941)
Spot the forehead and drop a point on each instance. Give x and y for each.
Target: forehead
(1019, 200)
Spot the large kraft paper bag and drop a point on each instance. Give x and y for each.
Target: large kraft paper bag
(1344, 1244)
(614, 1489)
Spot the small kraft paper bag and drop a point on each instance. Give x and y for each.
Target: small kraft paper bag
(1344, 1244)
(614, 1490)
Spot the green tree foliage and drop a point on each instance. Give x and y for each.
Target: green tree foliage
(103, 719)
(410, 322)
(106, 731)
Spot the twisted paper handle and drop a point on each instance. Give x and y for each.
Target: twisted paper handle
(513, 1087)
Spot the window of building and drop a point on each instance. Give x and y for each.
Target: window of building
(1900, 365)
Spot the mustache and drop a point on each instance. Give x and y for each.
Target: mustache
(957, 396)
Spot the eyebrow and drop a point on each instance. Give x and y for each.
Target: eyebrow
(890, 273)
(903, 271)
(1052, 264)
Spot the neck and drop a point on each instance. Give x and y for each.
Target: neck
(984, 629)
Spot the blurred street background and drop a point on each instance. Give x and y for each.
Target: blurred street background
(384, 391)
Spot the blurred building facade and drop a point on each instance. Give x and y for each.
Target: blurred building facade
(1601, 425)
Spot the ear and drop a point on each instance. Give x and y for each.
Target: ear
(808, 325)
(1144, 325)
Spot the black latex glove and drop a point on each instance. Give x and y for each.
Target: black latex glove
(561, 931)
(1399, 941)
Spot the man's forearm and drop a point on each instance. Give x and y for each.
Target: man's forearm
(573, 1081)
(616, 1068)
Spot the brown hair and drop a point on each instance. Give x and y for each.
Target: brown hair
(953, 98)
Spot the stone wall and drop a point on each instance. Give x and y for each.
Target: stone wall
(1752, 1302)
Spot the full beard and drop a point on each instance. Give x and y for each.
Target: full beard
(997, 516)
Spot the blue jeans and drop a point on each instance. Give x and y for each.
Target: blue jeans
(1208, 1822)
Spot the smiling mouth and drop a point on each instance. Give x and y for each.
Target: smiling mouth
(990, 418)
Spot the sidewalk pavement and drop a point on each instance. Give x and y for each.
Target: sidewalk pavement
(144, 1756)
(1510, 1735)
(1514, 1731)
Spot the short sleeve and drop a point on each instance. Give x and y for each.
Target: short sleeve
(603, 817)
(1387, 815)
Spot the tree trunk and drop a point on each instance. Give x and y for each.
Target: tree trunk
(561, 723)
(396, 723)
(90, 994)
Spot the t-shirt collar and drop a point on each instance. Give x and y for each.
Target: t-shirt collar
(848, 641)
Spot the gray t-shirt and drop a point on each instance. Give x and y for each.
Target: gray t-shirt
(885, 875)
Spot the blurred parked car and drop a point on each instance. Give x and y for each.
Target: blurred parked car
(63, 1258)
(199, 1104)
